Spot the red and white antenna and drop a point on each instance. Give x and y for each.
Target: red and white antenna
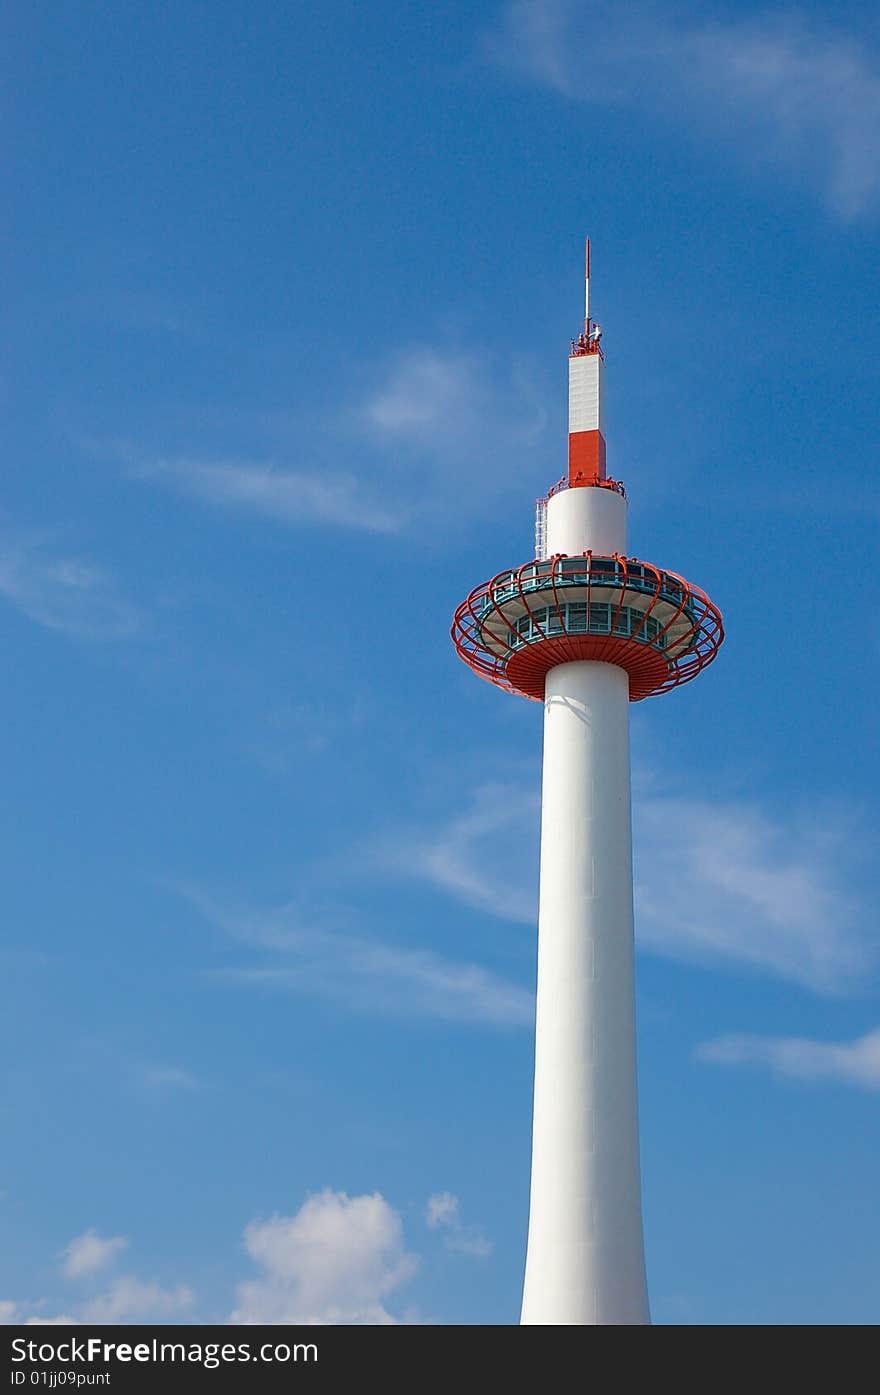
(586, 390)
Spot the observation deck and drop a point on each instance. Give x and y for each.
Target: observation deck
(618, 610)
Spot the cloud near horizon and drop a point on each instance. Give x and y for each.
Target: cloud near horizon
(125, 1299)
(335, 1261)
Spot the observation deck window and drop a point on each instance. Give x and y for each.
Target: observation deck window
(600, 619)
(579, 618)
(671, 589)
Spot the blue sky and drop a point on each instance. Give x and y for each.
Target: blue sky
(288, 299)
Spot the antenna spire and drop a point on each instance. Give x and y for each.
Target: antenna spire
(587, 288)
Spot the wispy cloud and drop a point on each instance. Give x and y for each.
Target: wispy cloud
(90, 1252)
(443, 401)
(799, 1058)
(446, 407)
(335, 1261)
(399, 446)
(425, 394)
(290, 497)
(779, 90)
(729, 880)
(443, 1213)
(364, 973)
(61, 591)
(715, 880)
(453, 855)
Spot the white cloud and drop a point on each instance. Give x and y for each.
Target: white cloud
(777, 89)
(285, 496)
(725, 880)
(334, 1262)
(28, 1315)
(533, 39)
(131, 1300)
(125, 1299)
(715, 880)
(64, 593)
(376, 978)
(90, 1252)
(799, 1058)
(470, 1241)
(457, 856)
(414, 428)
(366, 973)
(443, 1212)
(425, 395)
(449, 408)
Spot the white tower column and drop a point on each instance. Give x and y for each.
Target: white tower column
(585, 1261)
(583, 628)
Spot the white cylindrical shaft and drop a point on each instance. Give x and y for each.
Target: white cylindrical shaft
(585, 1260)
(578, 519)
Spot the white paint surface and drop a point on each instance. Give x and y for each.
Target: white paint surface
(585, 518)
(585, 1261)
(586, 393)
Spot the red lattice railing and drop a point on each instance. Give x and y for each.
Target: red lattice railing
(689, 628)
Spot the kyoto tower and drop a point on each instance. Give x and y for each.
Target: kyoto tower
(586, 629)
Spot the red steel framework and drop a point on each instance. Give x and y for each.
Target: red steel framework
(666, 659)
(565, 483)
